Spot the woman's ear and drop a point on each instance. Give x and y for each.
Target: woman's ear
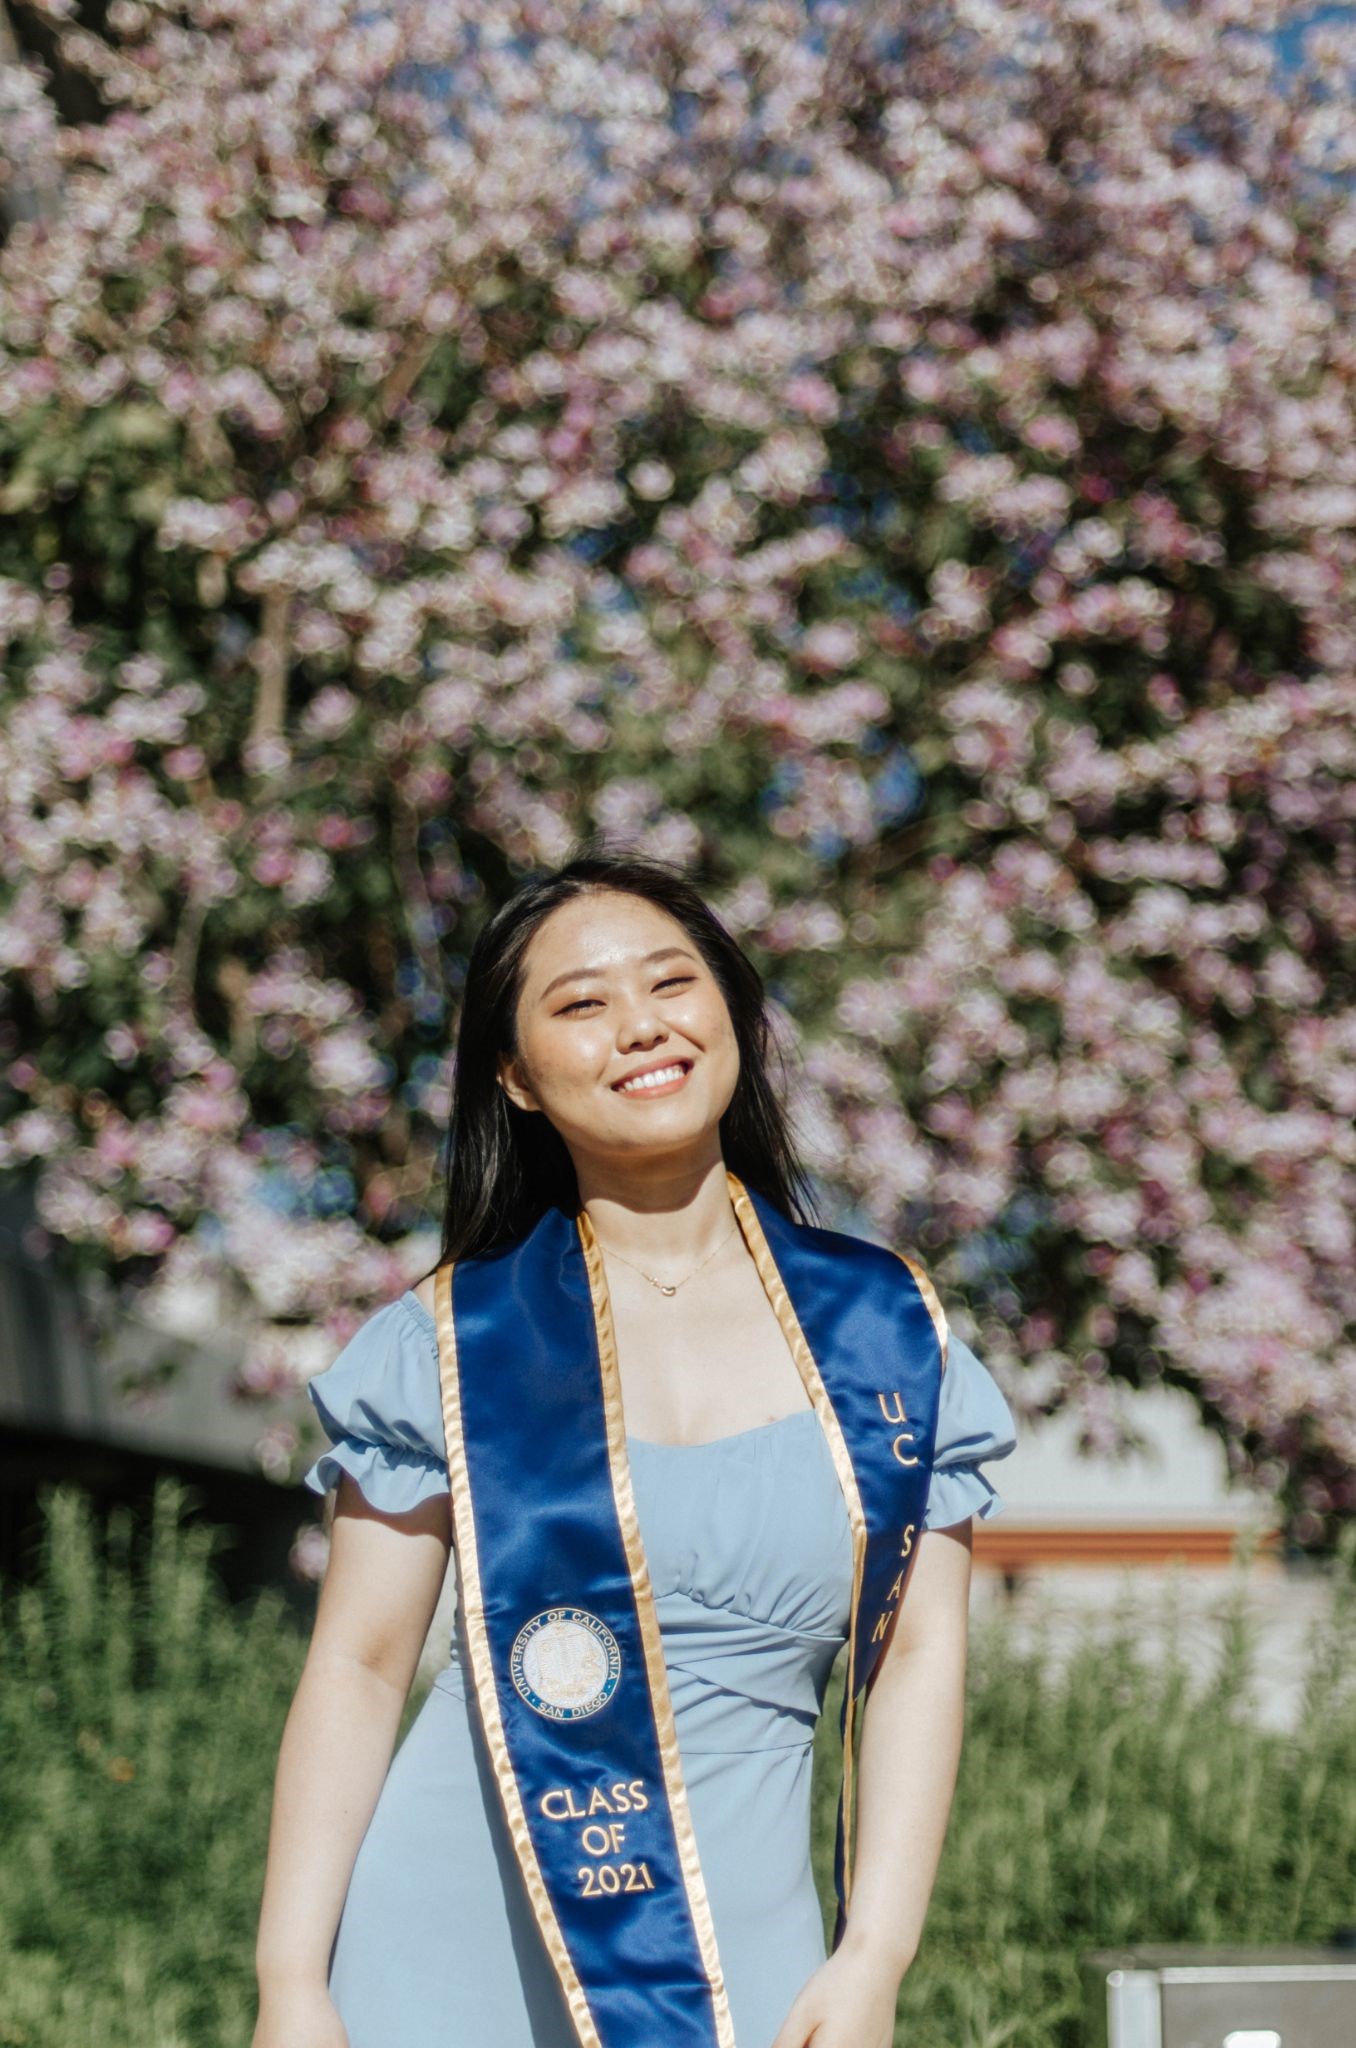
(517, 1092)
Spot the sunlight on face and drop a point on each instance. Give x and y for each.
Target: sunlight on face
(614, 989)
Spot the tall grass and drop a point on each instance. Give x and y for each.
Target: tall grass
(1103, 1797)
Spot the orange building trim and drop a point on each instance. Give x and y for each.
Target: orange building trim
(1028, 1546)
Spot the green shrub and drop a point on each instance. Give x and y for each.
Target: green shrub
(1107, 1796)
(140, 1715)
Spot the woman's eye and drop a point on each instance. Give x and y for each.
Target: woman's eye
(669, 981)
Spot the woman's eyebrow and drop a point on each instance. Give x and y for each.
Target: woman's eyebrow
(584, 973)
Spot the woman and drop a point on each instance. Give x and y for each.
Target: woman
(612, 1104)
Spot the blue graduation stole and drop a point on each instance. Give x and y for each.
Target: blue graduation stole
(559, 1619)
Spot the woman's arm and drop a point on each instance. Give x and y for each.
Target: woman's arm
(381, 1587)
(910, 1750)
(911, 1744)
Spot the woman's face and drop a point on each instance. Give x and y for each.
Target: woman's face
(614, 989)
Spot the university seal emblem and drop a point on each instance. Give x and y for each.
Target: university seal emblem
(565, 1663)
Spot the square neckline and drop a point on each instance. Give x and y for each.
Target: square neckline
(645, 1443)
(734, 1436)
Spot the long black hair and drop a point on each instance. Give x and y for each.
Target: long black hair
(507, 1166)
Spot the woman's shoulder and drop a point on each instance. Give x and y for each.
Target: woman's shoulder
(889, 1263)
(395, 1341)
(975, 1426)
(380, 1405)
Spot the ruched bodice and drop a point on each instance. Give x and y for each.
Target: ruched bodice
(749, 1553)
(752, 1601)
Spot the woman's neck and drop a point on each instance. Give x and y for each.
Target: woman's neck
(672, 1216)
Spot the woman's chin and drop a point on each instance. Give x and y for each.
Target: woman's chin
(663, 1134)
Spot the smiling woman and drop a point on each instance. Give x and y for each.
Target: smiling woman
(686, 1446)
(677, 1021)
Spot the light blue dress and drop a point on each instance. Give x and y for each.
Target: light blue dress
(750, 1557)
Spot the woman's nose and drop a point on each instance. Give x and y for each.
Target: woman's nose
(640, 1027)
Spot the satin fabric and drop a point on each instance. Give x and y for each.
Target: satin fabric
(532, 1404)
(526, 1414)
(879, 1339)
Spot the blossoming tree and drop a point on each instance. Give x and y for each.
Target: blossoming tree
(899, 462)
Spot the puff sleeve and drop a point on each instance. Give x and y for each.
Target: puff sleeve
(380, 1405)
(974, 1424)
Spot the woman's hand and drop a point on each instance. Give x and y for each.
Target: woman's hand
(848, 2003)
(298, 2015)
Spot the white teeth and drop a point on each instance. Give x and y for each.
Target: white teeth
(654, 1080)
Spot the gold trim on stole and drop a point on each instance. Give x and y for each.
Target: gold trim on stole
(786, 1315)
(473, 1621)
(656, 1673)
(473, 1610)
(931, 1301)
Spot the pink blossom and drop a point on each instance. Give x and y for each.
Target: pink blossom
(584, 467)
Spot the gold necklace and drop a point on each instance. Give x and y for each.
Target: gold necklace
(664, 1286)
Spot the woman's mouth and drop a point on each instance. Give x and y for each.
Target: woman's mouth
(657, 1080)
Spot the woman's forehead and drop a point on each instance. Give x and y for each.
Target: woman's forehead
(598, 933)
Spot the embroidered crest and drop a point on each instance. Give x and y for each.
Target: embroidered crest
(565, 1663)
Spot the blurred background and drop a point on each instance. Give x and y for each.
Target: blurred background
(897, 460)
